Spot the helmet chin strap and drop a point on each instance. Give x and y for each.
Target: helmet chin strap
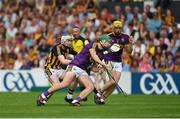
(104, 48)
(66, 46)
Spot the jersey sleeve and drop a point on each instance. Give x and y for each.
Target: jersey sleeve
(86, 42)
(57, 51)
(72, 52)
(92, 45)
(126, 38)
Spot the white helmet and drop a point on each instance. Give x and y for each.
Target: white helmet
(66, 37)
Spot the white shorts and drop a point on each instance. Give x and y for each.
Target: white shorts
(116, 66)
(78, 71)
(58, 72)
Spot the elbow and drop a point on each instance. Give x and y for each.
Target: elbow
(65, 62)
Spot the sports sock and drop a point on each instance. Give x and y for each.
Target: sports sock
(69, 95)
(99, 94)
(78, 98)
(95, 91)
(45, 95)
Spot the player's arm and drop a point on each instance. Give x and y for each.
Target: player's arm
(63, 60)
(60, 56)
(95, 56)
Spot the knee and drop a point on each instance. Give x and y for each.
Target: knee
(54, 80)
(54, 83)
(64, 84)
(92, 88)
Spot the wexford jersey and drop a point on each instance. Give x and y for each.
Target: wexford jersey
(53, 61)
(83, 59)
(122, 40)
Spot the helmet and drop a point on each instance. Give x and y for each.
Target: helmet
(105, 38)
(66, 37)
(117, 24)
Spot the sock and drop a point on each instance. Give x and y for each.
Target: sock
(78, 98)
(69, 95)
(99, 94)
(95, 91)
(49, 96)
(45, 95)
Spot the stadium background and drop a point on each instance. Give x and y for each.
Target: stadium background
(29, 29)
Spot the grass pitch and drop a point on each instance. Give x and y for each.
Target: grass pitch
(24, 105)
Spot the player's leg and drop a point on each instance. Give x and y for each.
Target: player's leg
(69, 76)
(68, 79)
(85, 80)
(111, 82)
(54, 79)
(103, 75)
(107, 90)
(96, 76)
(52, 75)
(110, 85)
(71, 89)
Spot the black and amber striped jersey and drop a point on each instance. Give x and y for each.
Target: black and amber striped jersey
(53, 61)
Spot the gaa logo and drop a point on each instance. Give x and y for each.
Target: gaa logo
(158, 84)
(18, 81)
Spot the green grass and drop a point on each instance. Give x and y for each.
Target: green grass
(23, 105)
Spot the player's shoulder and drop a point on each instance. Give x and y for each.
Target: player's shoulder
(92, 45)
(82, 38)
(55, 47)
(125, 34)
(110, 34)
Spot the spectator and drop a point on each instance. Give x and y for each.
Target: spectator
(134, 65)
(126, 61)
(156, 67)
(145, 65)
(163, 65)
(117, 13)
(169, 19)
(137, 14)
(177, 62)
(129, 15)
(27, 27)
(154, 24)
(170, 62)
(19, 62)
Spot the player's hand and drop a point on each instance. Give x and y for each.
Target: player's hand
(105, 66)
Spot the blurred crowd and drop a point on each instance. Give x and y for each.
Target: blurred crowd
(29, 29)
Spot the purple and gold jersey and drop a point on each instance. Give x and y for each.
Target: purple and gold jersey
(83, 59)
(122, 40)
